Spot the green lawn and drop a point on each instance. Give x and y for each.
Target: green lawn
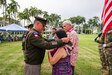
(88, 63)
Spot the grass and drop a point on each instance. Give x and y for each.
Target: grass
(88, 63)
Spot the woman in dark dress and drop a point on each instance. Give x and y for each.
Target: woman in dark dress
(59, 58)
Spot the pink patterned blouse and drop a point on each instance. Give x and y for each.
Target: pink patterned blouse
(74, 39)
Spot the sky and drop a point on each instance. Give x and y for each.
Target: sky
(66, 8)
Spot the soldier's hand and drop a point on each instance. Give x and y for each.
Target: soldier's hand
(65, 40)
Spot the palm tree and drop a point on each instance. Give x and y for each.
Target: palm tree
(60, 23)
(80, 20)
(32, 12)
(8, 14)
(72, 19)
(21, 16)
(12, 9)
(94, 22)
(39, 12)
(26, 15)
(4, 4)
(58, 18)
(90, 24)
(85, 27)
(54, 19)
(45, 14)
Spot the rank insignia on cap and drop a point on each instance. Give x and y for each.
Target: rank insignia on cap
(36, 36)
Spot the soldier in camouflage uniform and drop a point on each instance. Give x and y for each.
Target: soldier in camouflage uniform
(108, 50)
(35, 46)
(100, 39)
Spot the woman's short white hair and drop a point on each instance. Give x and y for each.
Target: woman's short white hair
(67, 22)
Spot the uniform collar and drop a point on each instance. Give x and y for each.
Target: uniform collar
(36, 31)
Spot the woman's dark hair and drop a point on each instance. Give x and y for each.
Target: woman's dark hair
(61, 33)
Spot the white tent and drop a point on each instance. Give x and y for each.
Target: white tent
(13, 28)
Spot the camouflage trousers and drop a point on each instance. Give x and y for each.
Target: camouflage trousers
(103, 58)
(109, 59)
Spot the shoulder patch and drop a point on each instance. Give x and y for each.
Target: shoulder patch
(36, 35)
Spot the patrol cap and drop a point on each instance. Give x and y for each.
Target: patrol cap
(42, 20)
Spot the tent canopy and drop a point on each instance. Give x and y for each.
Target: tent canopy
(13, 28)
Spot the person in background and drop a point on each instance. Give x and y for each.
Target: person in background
(16, 37)
(59, 57)
(9, 38)
(72, 35)
(35, 46)
(51, 36)
(105, 51)
(100, 40)
(30, 26)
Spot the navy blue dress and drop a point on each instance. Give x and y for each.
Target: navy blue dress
(63, 66)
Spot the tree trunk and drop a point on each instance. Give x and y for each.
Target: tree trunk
(82, 29)
(3, 16)
(24, 23)
(9, 19)
(78, 29)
